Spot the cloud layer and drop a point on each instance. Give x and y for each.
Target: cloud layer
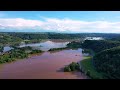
(59, 25)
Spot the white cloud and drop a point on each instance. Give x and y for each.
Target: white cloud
(60, 25)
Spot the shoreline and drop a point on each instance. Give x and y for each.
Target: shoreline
(87, 67)
(29, 56)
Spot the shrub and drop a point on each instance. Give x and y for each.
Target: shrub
(67, 69)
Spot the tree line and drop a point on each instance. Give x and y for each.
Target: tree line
(107, 57)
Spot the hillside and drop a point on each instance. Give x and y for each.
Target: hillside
(108, 62)
(99, 45)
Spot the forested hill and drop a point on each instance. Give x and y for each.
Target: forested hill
(107, 56)
(52, 35)
(108, 62)
(31, 36)
(99, 45)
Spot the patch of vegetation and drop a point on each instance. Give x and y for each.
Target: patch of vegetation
(32, 41)
(35, 51)
(1, 48)
(13, 55)
(52, 35)
(67, 69)
(26, 48)
(89, 70)
(17, 53)
(108, 62)
(71, 45)
(7, 39)
(57, 49)
(72, 67)
(99, 45)
(106, 59)
(38, 36)
(74, 45)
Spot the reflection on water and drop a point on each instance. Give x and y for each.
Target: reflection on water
(86, 54)
(45, 46)
(93, 38)
(43, 66)
(7, 48)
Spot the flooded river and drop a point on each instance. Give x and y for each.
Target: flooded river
(45, 46)
(48, 65)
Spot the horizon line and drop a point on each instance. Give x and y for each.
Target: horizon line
(64, 32)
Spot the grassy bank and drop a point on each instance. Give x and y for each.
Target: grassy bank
(87, 68)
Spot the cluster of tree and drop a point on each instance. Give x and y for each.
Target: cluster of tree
(108, 62)
(115, 38)
(25, 48)
(11, 37)
(61, 35)
(28, 50)
(13, 55)
(71, 45)
(17, 37)
(37, 36)
(99, 45)
(35, 51)
(1, 48)
(72, 67)
(74, 45)
(17, 53)
(7, 39)
(29, 36)
(57, 49)
(32, 41)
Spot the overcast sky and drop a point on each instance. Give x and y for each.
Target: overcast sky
(60, 21)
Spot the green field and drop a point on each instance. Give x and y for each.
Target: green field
(86, 64)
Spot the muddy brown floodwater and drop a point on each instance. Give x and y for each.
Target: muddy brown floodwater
(43, 66)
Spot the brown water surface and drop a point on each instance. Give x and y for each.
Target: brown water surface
(44, 66)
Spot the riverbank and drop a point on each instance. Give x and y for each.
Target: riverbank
(84, 66)
(87, 68)
(16, 54)
(70, 45)
(22, 52)
(43, 66)
(57, 49)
